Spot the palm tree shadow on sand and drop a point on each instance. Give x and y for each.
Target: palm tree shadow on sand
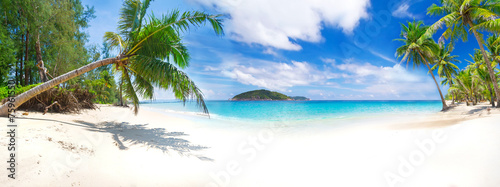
(139, 134)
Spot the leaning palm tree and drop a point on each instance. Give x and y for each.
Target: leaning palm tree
(418, 49)
(444, 63)
(460, 16)
(150, 48)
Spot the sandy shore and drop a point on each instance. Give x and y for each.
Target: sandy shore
(112, 147)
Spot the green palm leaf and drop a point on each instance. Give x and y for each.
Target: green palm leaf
(167, 76)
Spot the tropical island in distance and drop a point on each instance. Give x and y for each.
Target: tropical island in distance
(266, 95)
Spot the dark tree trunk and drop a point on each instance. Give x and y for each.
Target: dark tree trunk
(41, 67)
(26, 59)
(21, 70)
(19, 64)
(17, 69)
(492, 100)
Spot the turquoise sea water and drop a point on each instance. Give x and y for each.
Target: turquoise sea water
(298, 110)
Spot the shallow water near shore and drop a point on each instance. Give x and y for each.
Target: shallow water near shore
(291, 111)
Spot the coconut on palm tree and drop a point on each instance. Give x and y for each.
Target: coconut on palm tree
(418, 49)
(150, 48)
(444, 63)
(461, 16)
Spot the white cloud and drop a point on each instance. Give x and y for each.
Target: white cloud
(330, 61)
(393, 60)
(394, 81)
(272, 75)
(280, 23)
(380, 74)
(270, 51)
(402, 11)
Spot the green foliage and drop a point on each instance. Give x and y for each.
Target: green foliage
(57, 25)
(261, 95)
(418, 49)
(99, 82)
(4, 90)
(448, 96)
(103, 86)
(7, 56)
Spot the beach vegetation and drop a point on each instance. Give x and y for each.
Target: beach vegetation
(464, 16)
(150, 49)
(459, 18)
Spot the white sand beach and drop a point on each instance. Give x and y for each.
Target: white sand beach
(112, 147)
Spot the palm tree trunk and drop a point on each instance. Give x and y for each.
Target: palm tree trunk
(20, 99)
(488, 63)
(492, 97)
(437, 85)
(450, 84)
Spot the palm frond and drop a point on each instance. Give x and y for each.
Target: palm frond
(174, 23)
(449, 19)
(434, 10)
(129, 90)
(491, 25)
(129, 17)
(167, 76)
(465, 5)
(114, 40)
(483, 14)
(143, 86)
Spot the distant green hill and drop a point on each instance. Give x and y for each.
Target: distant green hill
(266, 95)
(260, 95)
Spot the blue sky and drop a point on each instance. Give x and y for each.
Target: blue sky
(321, 49)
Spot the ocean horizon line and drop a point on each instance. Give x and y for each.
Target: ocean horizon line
(174, 100)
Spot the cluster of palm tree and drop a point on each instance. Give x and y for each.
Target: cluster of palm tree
(479, 80)
(474, 83)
